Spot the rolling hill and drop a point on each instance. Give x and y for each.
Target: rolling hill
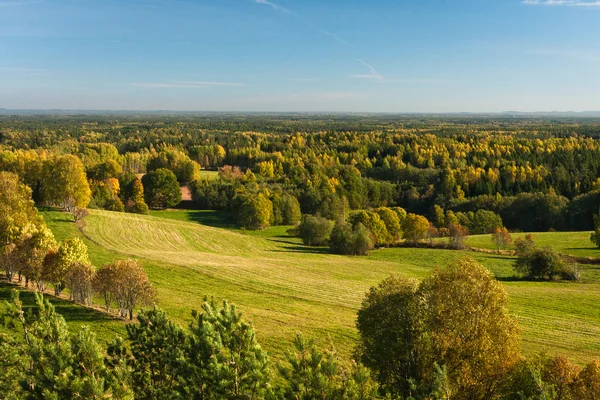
(285, 287)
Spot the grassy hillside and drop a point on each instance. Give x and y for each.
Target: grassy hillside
(285, 287)
(105, 327)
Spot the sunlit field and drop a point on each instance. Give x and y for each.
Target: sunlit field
(284, 287)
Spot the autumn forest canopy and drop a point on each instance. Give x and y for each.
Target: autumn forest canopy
(338, 186)
(535, 174)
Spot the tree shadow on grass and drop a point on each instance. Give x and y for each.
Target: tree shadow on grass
(514, 279)
(303, 249)
(71, 312)
(282, 239)
(216, 219)
(583, 248)
(531, 280)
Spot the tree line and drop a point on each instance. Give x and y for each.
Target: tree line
(30, 254)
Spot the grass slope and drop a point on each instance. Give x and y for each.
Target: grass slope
(105, 327)
(285, 287)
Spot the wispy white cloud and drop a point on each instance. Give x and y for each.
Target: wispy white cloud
(274, 6)
(209, 83)
(186, 84)
(427, 81)
(165, 85)
(301, 79)
(277, 7)
(372, 75)
(568, 3)
(334, 36)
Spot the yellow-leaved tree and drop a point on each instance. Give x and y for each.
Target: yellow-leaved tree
(449, 337)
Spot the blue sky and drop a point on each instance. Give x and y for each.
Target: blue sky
(301, 55)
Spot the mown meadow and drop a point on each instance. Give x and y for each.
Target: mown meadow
(284, 287)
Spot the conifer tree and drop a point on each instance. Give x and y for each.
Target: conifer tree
(58, 364)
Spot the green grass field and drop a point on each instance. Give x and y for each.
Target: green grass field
(284, 287)
(572, 243)
(204, 174)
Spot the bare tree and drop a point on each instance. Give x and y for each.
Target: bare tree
(79, 213)
(458, 234)
(501, 238)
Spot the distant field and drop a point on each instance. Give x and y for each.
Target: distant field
(285, 287)
(204, 174)
(574, 243)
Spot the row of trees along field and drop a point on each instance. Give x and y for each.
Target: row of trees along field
(537, 175)
(447, 337)
(30, 254)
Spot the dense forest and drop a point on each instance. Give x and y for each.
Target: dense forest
(536, 174)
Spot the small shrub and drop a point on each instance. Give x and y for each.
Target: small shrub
(525, 245)
(314, 231)
(570, 272)
(541, 264)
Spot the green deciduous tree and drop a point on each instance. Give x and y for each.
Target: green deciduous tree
(544, 264)
(401, 212)
(484, 221)
(391, 221)
(286, 210)
(65, 183)
(314, 231)
(373, 222)
(161, 189)
(71, 251)
(255, 212)
(346, 239)
(177, 161)
(388, 332)
(414, 227)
